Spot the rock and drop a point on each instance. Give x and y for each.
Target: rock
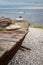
(5, 21)
(13, 26)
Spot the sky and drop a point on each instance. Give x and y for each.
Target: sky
(22, 4)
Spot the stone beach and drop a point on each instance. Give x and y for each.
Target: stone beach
(34, 41)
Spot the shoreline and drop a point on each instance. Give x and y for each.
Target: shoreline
(38, 27)
(19, 20)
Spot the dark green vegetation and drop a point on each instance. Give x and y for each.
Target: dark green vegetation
(37, 26)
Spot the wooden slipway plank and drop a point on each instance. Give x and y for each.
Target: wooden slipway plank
(7, 40)
(10, 42)
(5, 46)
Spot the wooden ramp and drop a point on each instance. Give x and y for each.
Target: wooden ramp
(10, 42)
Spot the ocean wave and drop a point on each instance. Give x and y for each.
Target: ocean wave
(30, 13)
(12, 12)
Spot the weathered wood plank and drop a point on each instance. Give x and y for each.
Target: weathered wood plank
(10, 42)
(8, 54)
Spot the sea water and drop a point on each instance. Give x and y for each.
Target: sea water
(33, 16)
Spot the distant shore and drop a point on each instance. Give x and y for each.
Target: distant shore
(37, 26)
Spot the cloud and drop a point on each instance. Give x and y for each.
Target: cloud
(26, 1)
(12, 3)
(24, 8)
(20, 2)
(31, 8)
